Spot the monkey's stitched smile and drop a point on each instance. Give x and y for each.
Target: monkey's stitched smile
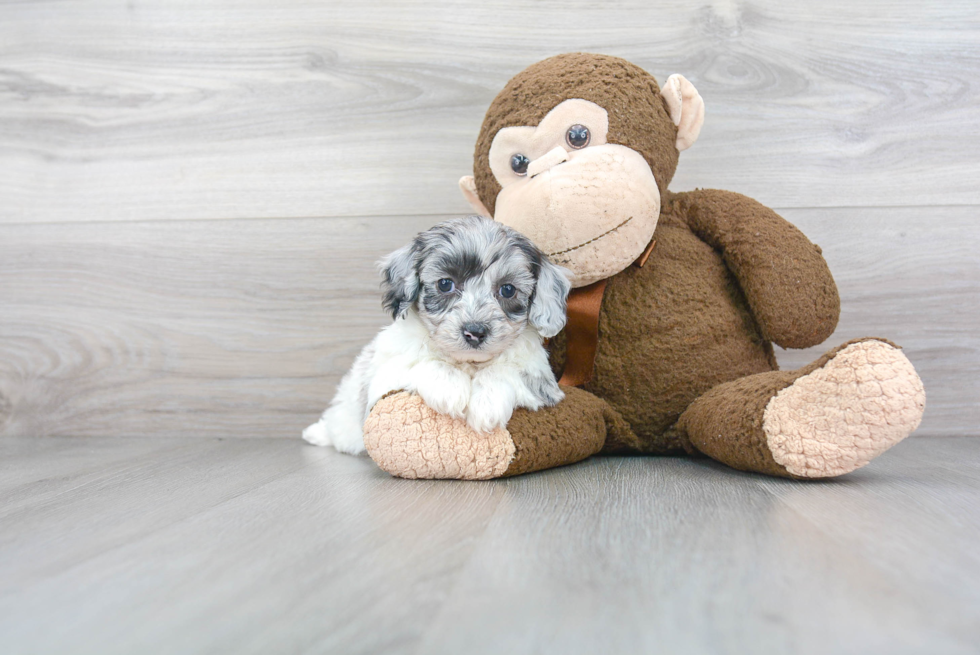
(592, 240)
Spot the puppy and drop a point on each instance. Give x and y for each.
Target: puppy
(471, 301)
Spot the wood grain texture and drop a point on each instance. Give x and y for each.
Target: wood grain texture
(243, 328)
(301, 541)
(226, 110)
(258, 546)
(215, 328)
(688, 557)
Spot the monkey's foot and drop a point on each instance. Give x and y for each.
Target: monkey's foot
(408, 439)
(836, 418)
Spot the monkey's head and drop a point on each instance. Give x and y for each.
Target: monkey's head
(576, 151)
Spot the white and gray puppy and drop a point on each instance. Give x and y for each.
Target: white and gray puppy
(472, 301)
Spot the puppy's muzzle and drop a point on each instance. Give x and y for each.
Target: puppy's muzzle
(475, 333)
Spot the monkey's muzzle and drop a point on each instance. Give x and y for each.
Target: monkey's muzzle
(594, 213)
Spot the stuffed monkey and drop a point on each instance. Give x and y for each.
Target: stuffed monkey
(678, 299)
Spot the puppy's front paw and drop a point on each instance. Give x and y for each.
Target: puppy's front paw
(450, 401)
(490, 408)
(442, 387)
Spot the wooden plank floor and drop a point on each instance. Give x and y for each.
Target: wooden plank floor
(202, 545)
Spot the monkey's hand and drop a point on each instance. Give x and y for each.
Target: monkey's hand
(784, 276)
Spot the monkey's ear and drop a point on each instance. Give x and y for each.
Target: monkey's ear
(467, 184)
(549, 310)
(399, 283)
(686, 109)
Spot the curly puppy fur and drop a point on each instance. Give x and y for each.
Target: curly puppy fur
(472, 301)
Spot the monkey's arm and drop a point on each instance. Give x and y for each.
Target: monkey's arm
(784, 276)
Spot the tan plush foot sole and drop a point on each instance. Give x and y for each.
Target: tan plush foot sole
(841, 416)
(409, 440)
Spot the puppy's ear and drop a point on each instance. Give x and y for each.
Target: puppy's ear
(400, 282)
(548, 310)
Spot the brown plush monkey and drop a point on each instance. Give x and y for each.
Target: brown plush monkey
(674, 355)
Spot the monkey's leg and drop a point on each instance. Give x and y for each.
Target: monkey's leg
(408, 439)
(823, 420)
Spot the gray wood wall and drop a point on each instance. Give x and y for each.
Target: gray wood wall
(192, 194)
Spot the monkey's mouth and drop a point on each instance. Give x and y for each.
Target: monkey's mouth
(592, 240)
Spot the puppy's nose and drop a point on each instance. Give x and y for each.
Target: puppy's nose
(474, 333)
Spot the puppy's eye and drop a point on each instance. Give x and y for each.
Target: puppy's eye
(507, 291)
(578, 136)
(518, 164)
(445, 285)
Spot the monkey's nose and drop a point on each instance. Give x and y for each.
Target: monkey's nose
(474, 333)
(548, 160)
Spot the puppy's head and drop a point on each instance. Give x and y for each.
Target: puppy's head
(476, 284)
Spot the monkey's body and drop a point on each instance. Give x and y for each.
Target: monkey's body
(669, 332)
(685, 359)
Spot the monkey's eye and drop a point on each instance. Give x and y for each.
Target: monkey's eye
(578, 136)
(507, 291)
(445, 285)
(518, 164)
